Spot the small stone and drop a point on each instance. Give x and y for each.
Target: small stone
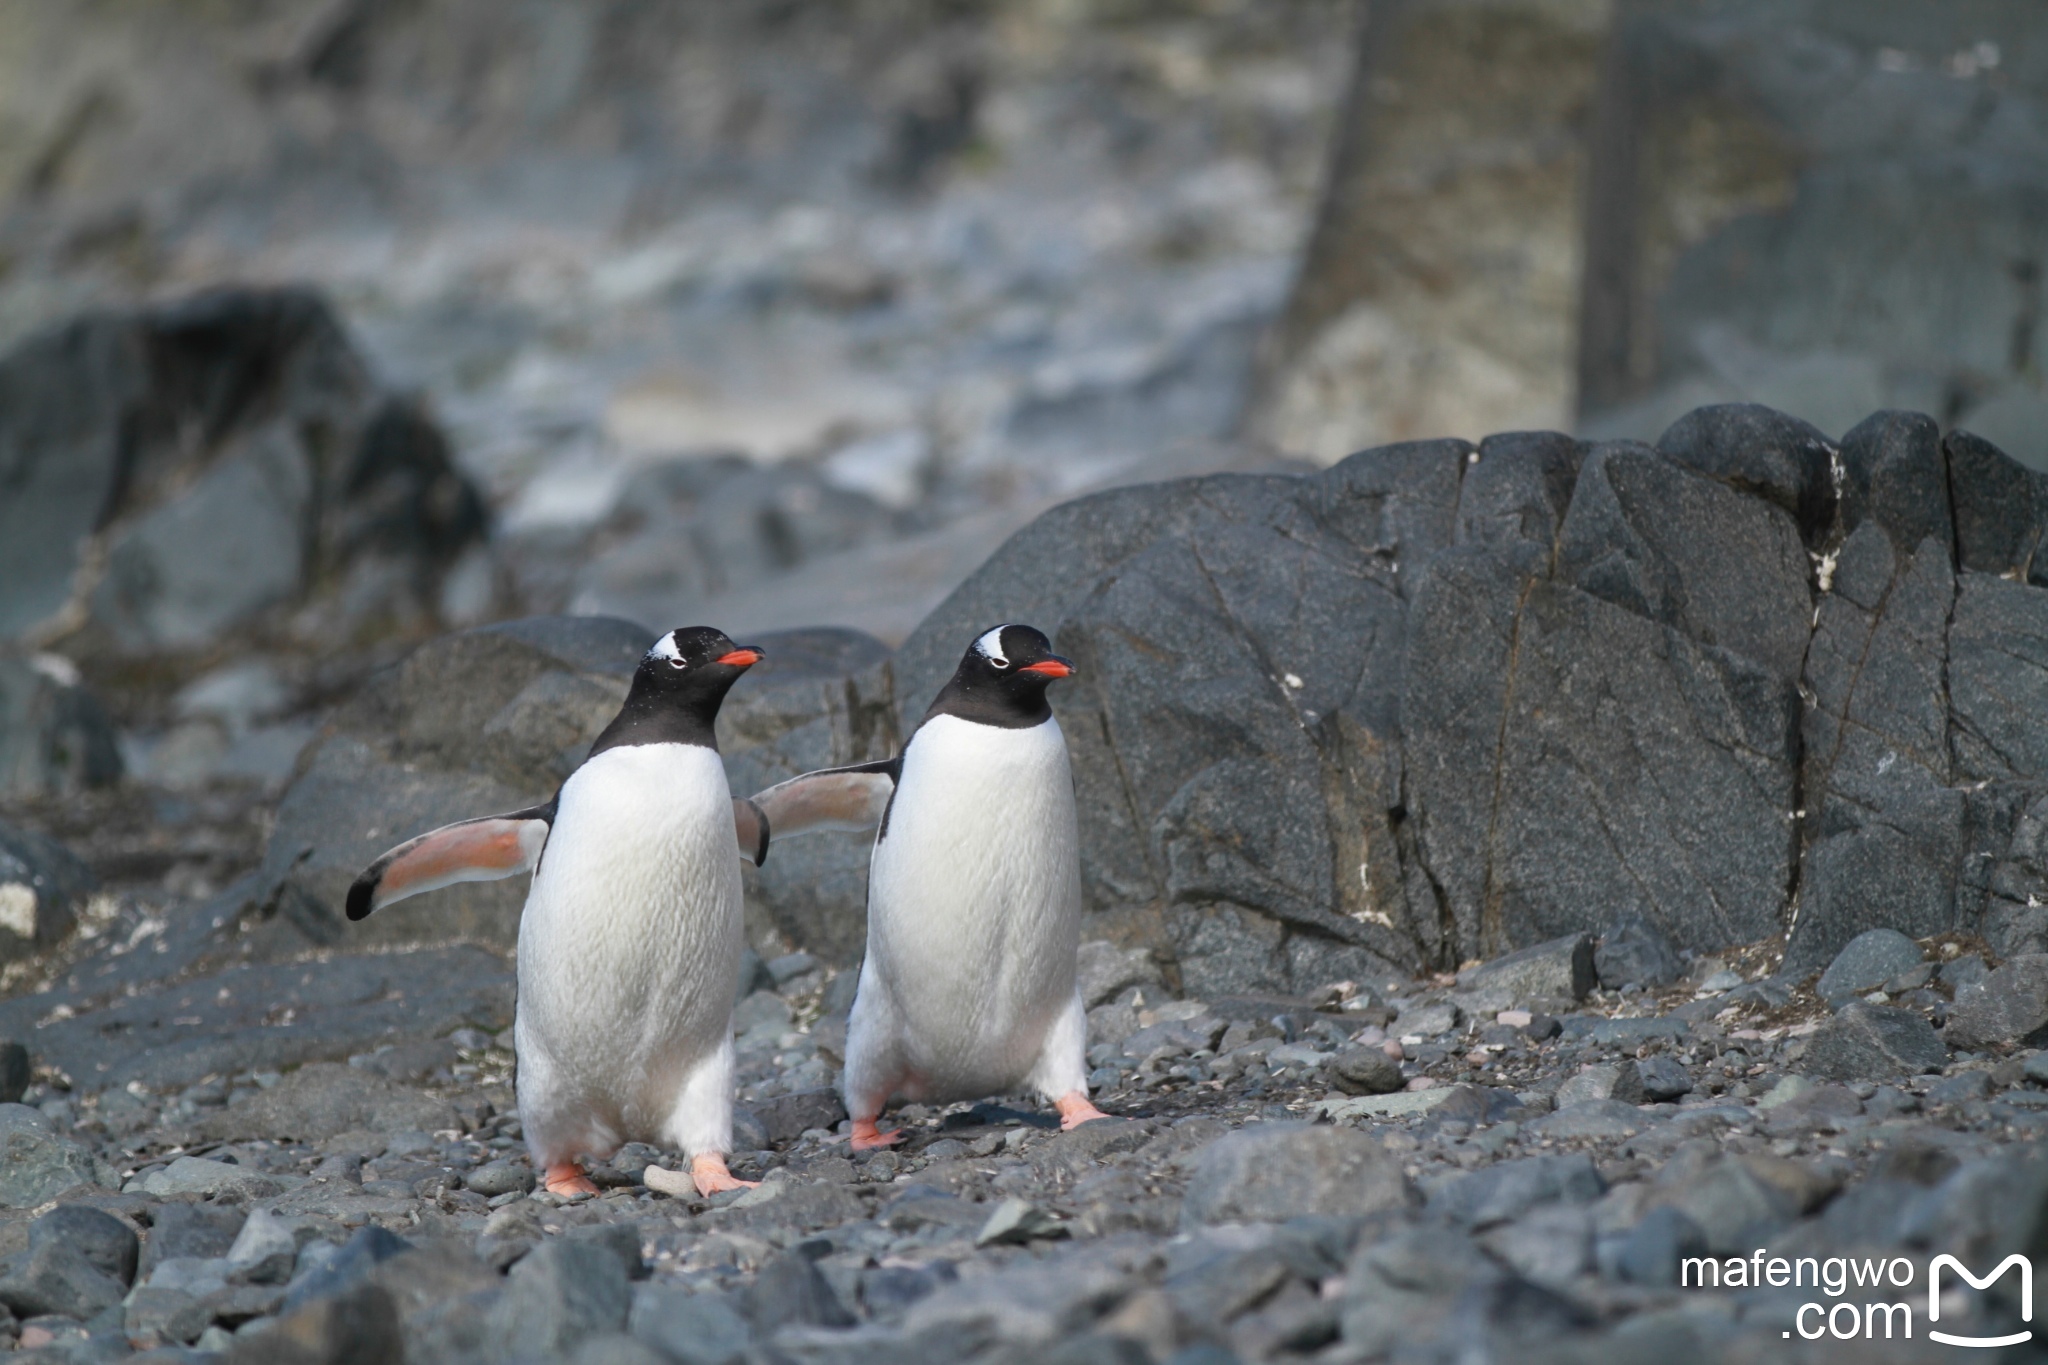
(197, 1175)
(1966, 1085)
(336, 1270)
(1654, 1247)
(266, 1250)
(185, 1231)
(2010, 1005)
(165, 1314)
(1663, 1077)
(1964, 972)
(1721, 982)
(358, 1326)
(1590, 1119)
(1104, 971)
(1726, 1197)
(36, 1164)
(1551, 1246)
(690, 1329)
(1635, 952)
(1913, 979)
(57, 1277)
(1873, 1042)
(500, 1177)
(1621, 1082)
(1509, 1189)
(104, 1240)
(1562, 967)
(1018, 1220)
(560, 1293)
(790, 966)
(1274, 1171)
(1865, 963)
(1429, 1021)
(785, 1118)
(1788, 1090)
(790, 1289)
(1365, 1071)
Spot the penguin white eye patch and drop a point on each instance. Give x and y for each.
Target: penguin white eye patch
(990, 647)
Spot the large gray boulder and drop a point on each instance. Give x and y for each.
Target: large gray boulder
(176, 474)
(1440, 703)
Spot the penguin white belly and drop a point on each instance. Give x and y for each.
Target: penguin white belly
(629, 950)
(974, 906)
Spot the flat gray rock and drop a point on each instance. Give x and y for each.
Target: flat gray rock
(37, 1163)
(1866, 962)
(2010, 1006)
(1276, 1171)
(1595, 1118)
(1874, 1042)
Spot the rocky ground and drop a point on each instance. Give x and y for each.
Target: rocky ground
(1509, 1163)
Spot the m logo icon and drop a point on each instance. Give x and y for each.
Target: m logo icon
(2026, 1298)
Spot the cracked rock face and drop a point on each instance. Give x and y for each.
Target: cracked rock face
(1440, 702)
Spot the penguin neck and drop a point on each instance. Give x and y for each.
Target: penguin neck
(1008, 708)
(654, 715)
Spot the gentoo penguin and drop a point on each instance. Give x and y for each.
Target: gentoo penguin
(974, 895)
(630, 941)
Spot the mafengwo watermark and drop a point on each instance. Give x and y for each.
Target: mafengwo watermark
(1865, 1317)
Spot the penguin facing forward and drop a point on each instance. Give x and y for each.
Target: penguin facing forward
(630, 940)
(974, 895)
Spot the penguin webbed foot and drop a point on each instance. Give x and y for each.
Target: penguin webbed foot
(709, 1174)
(566, 1179)
(1076, 1109)
(867, 1137)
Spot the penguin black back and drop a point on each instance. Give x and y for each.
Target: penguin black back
(678, 689)
(1002, 679)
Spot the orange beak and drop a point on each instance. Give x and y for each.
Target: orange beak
(746, 656)
(1052, 667)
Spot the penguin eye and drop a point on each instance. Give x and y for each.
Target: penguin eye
(1000, 663)
(677, 663)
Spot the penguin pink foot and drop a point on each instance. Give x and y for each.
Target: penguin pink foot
(1075, 1110)
(709, 1174)
(566, 1178)
(866, 1137)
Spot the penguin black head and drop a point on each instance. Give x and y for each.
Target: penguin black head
(1002, 679)
(678, 689)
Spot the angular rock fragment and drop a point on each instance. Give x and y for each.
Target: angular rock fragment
(1866, 962)
(1634, 951)
(36, 1162)
(1365, 1071)
(1873, 1042)
(1276, 1171)
(2010, 1006)
(1561, 969)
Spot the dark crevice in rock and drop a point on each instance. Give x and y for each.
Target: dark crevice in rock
(1492, 932)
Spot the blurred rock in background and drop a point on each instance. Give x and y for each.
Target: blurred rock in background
(1437, 290)
(924, 267)
(1824, 207)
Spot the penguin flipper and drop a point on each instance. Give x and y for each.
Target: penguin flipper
(750, 827)
(854, 798)
(481, 850)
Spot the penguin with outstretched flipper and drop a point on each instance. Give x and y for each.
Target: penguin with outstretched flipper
(630, 941)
